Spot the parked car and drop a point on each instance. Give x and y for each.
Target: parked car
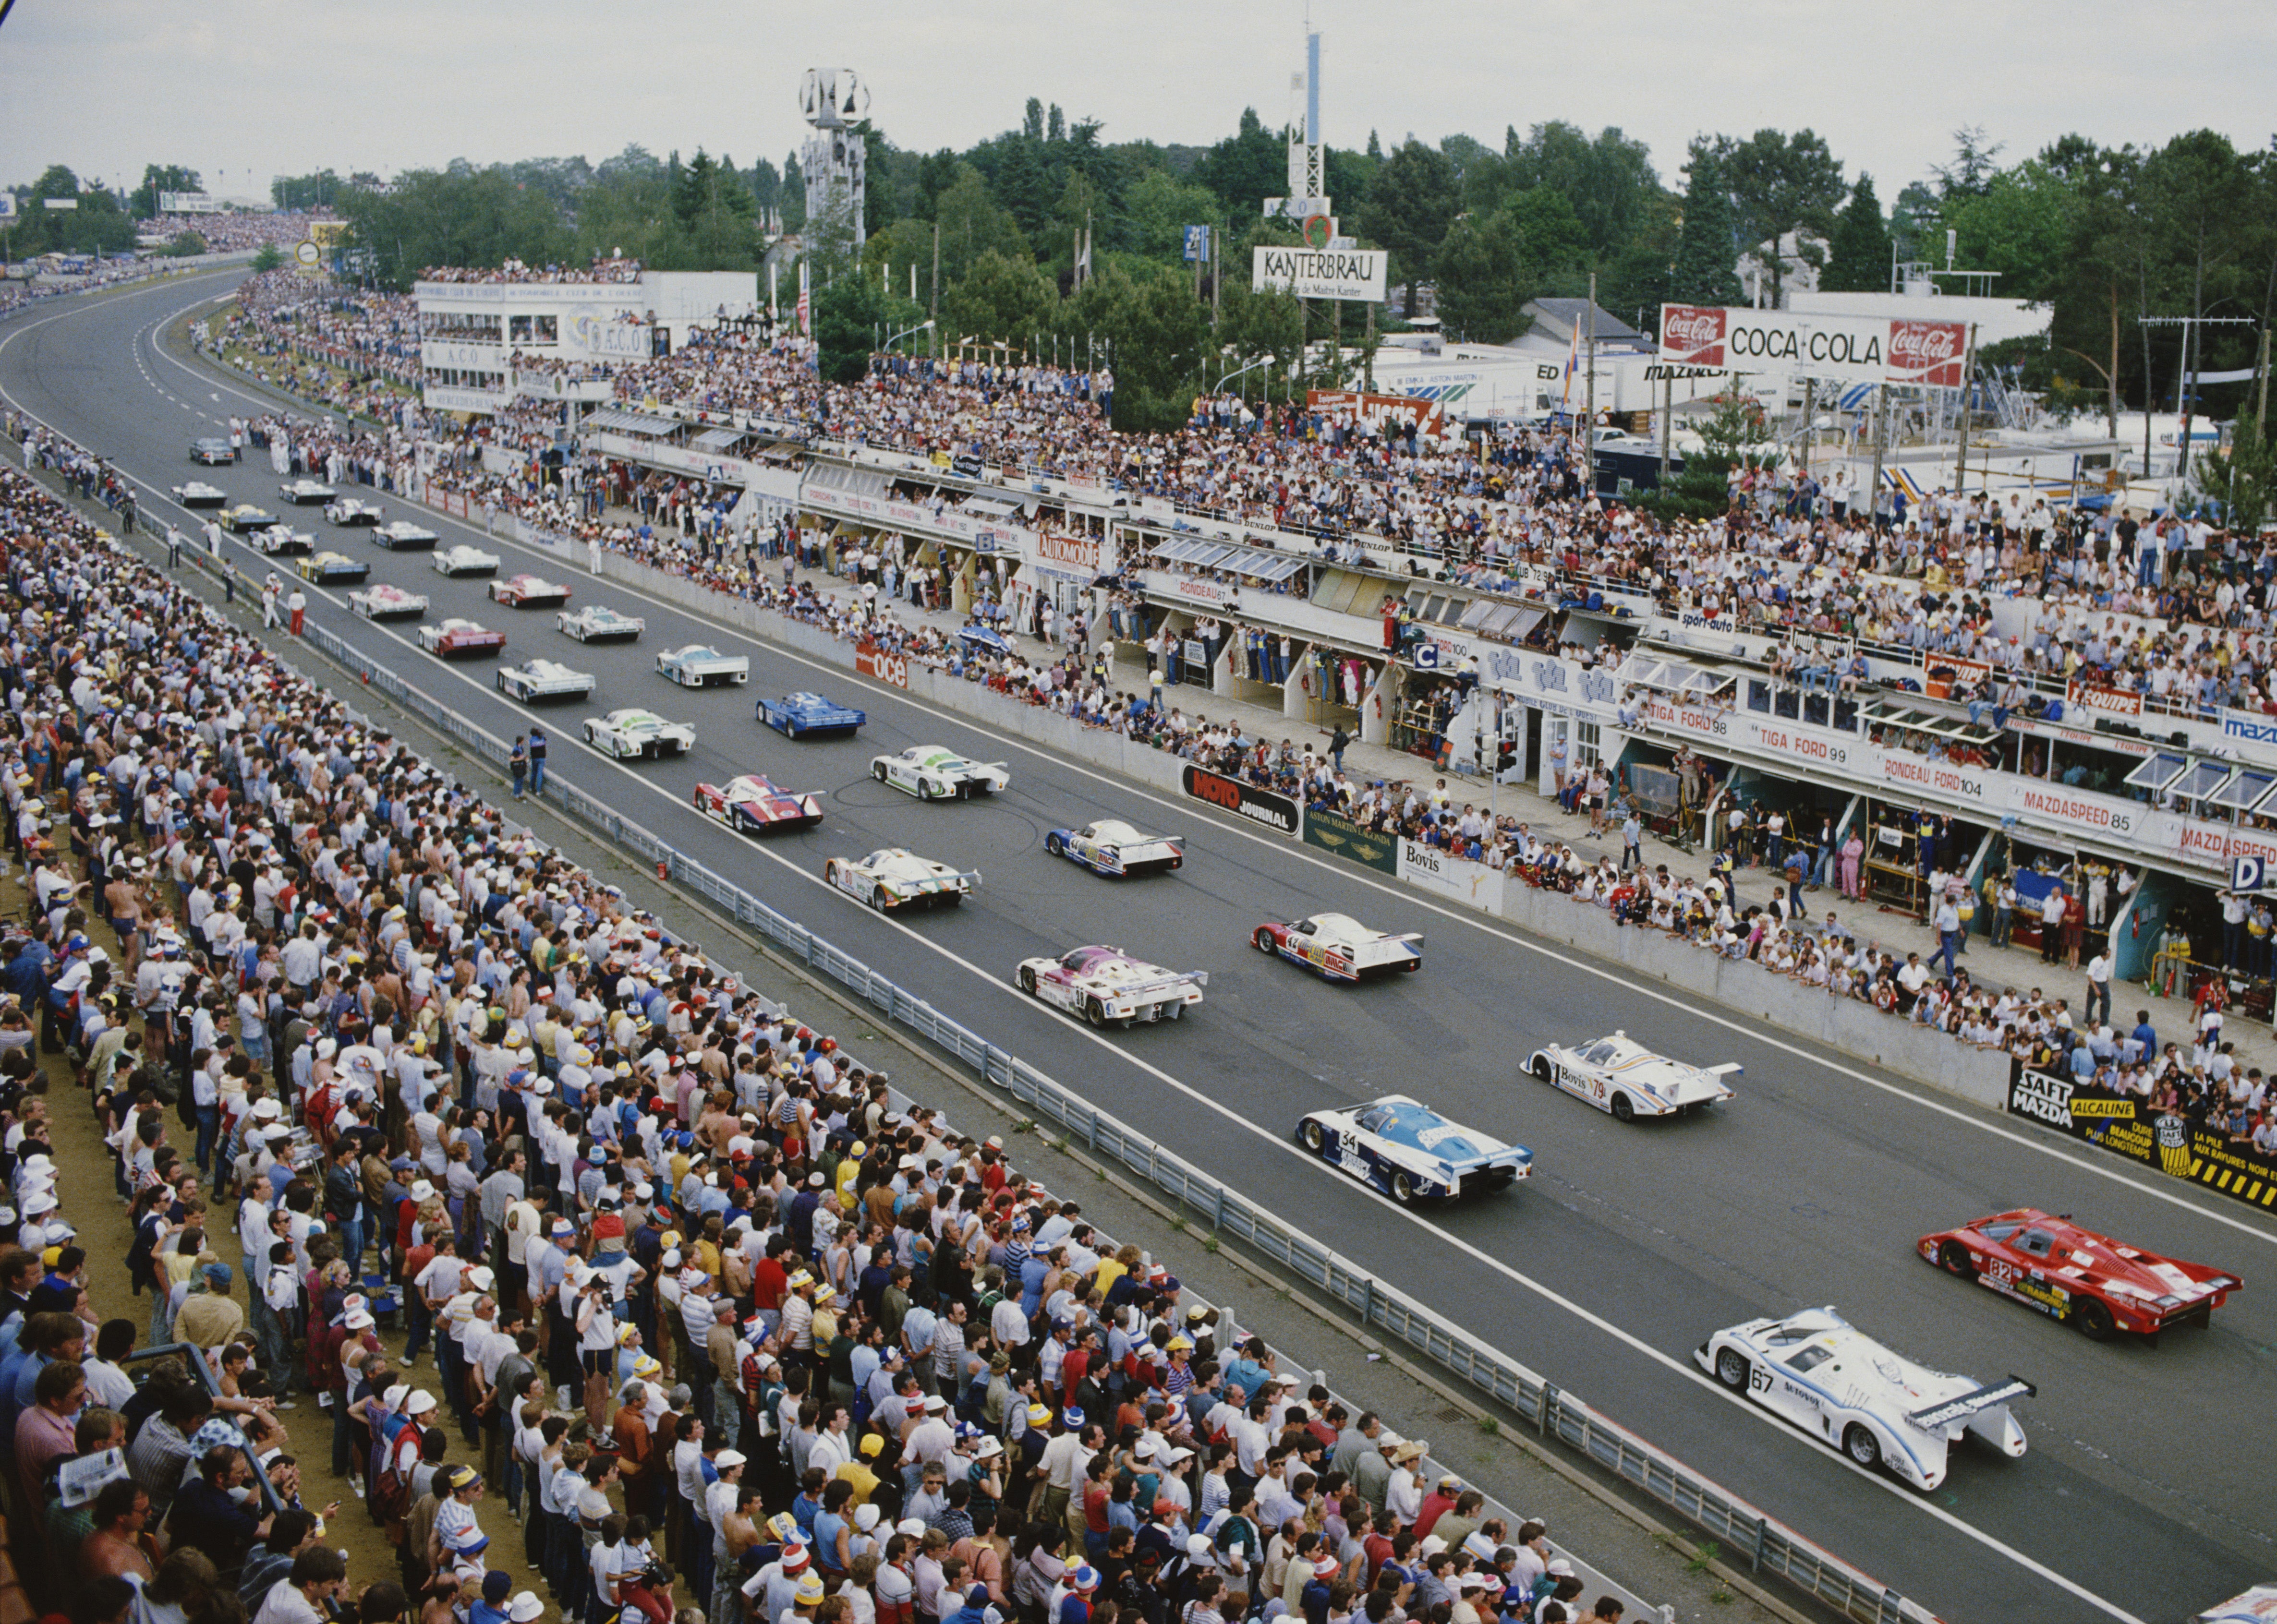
(214, 453)
(464, 560)
(197, 493)
(385, 602)
(300, 492)
(404, 536)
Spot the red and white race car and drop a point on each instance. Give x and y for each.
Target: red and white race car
(528, 592)
(1107, 986)
(457, 639)
(752, 805)
(2090, 1281)
(1338, 947)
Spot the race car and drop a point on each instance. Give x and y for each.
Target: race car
(464, 560)
(197, 493)
(1845, 1389)
(279, 542)
(599, 623)
(330, 567)
(699, 665)
(246, 517)
(1338, 947)
(212, 452)
(639, 734)
(931, 773)
(1112, 847)
(543, 679)
(2258, 1605)
(300, 492)
(404, 536)
(528, 592)
(752, 805)
(1106, 985)
(895, 877)
(352, 511)
(456, 638)
(2090, 1281)
(1409, 1151)
(385, 603)
(1621, 1076)
(806, 716)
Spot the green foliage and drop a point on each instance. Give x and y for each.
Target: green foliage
(1858, 259)
(850, 313)
(458, 216)
(792, 198)
(186, 245)
(321, 189)
(2021, 222)
(2244, 476)
(974, 224)
(1733, 435)
(1409, 208)
(1779, 184)
(157, 177)
(1483, 282)
(1158, 208)
(100, 224)
(268, 257)
(1702, 272)
(1246, 168)
(999, 300)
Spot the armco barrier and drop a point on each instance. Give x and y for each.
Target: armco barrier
(1738, 1527)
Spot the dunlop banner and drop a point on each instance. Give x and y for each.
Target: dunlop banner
(2173, 1144)
(1347, 838)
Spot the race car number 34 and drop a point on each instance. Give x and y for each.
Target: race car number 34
(1352, 1162)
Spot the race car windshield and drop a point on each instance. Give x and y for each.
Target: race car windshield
(2036, 1242)
(1809, 1359)
(1999, 1232)
(1791, 1333)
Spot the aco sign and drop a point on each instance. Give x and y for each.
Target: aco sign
(1787, 344)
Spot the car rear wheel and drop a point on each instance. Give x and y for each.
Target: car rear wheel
(1402, 1190)
(877, 771)
(1954, 1258)
(1095, 1012)
(1310, 1137)
(1263, 940)
(1623, 1110)
(1027, 980)
(2093, 1319)
(1860, 1443)
(1732, 1368)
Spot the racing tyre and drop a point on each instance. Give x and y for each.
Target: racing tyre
(877, 771)
(1051, 847)
(1402, 1190)
(2093, 1319)
(742, 824)
(1095, 1012)
(1953, 1257)
(1310, 1135)
(1027, 979)
(1860, 1443)
(1542, 1067)
(1264, 941)
(878, 897)
(1623, 1109)
(1732, 1369)
(589, 735)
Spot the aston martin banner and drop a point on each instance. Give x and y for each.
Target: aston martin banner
(2166, 1141)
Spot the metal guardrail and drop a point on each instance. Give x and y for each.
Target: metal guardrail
(1739, 1528)
(195, 1359)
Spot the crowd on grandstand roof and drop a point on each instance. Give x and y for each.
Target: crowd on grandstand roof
(603, 267)
(233, 230)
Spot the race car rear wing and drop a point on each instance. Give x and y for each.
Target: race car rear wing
(1989, 1397)
(1456, 1166)
(1730, 1068)
(1198, 978)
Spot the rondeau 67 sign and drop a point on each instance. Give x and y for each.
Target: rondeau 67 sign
(1844, 348)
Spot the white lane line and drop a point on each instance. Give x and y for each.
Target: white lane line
(1548, 1293)
(2098, 1167)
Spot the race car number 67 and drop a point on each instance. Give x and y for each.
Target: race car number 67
(1759, 1379)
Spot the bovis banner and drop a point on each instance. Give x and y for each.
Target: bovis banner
(2169, 1142)
(1277, 812)
(1849, 349)
(1430, 869)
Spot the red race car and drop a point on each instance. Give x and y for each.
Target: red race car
(528, 592)
(752, 805)
(2075, 1275)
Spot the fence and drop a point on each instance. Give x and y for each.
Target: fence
(1768, 1546)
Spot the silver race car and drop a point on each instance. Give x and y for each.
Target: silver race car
(1621, 1076)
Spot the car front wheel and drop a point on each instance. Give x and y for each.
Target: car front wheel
(1860, 1443)
(2093, 1319)
(1028, 980)
(1051, 847)
(1954, 1258)
(1263, 940)
(1541, 1066)
(1732, 1369)
(877, 771)
(1311, 1137)
(1623, 1109)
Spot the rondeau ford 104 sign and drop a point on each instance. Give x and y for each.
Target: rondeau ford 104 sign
(1846, 348)
(1321, 273)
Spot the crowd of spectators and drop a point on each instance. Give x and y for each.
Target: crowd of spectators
(234, 230)
(603, 267)
(732, 1333)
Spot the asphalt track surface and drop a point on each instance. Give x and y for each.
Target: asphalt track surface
(2146, 1492)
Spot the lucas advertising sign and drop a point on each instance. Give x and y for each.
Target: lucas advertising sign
(1850, 349)
(1321, 273)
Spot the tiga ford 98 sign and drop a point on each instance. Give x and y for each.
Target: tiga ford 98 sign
(1784, 343)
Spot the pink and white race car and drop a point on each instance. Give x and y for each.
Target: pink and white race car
(752, 805)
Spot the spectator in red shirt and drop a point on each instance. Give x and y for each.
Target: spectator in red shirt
(1437, 1504)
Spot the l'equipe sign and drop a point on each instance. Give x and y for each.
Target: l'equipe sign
(1277, 812)
(1321, 273)
(1784, 343)
(2169, 1142)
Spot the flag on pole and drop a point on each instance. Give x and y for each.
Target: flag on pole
(805, 304)
(1572, 365)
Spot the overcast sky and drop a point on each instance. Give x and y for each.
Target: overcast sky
(241, 90)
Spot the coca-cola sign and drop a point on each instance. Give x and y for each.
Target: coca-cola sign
(1691, 335)
(1928, 352)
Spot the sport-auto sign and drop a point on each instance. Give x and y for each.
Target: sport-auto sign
(1785, 343)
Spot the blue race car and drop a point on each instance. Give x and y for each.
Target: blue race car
(1411, 1152)
(1112, 847)
(806, 716)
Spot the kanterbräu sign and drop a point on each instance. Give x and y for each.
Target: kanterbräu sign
(1842, 348)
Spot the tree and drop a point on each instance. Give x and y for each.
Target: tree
(1704, 270)
(1552, 244)
(186, 245)
(1733, 435)
(1246, 168)
(1970, 172)
(1480, 272)
(793, 195)
(1858, 259)
(318, 190)
(2022, 223)
(972, 223)
(1001, 300)
(157, 177)
(460, 217)
(1409, 208)
(1780, 184)
(268, 257)
(1607, 180)
(1158, 208)
(850, 313)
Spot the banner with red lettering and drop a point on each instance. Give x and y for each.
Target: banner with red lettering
(1426, 416)
(1850, 349)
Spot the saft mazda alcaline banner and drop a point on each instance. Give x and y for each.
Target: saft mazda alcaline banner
(2127, 1127)
(1841, 348)
(1321, 273)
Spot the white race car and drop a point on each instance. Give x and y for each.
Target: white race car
(197, 493)
(699, 665)
(895, 877)
(1409, 1151)
(464, 560)
(543, 679)
(350, 511)
(1112, 847)
(1107, 985)
(1849, 1391)
(598, 623)
(279, 542)
(1338, 947)
(303, 491)
(404, 536)
(1621, 1076)
(385, 602)
(931, 773)
(638, 733)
